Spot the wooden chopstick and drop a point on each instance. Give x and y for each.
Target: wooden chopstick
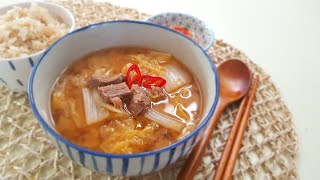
(241, 130)
(228, 146)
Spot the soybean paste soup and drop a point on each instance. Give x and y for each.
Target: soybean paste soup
(125, 100)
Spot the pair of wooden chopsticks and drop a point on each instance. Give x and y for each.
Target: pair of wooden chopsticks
(233, 144)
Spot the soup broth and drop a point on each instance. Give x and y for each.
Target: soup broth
(117, 125)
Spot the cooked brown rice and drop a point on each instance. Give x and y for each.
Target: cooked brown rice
(25, 31)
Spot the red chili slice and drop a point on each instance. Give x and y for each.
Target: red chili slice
(149, 81)
(136, 78)
(182, 30)
(146, 81)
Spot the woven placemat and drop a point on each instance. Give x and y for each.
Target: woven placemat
(270, 143)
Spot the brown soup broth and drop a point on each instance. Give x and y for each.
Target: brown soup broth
(117, 133)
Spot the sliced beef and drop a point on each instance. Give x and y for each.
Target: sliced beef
(138, 90)
(120, 91)
(156, 94)
(140, 101)
(99, 81)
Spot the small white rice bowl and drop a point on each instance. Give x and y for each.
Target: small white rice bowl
(27, 29)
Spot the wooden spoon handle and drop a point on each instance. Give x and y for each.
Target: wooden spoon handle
(228, 146)
(192, 163)
(242, 128)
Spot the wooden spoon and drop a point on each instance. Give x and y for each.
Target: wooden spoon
(235, 80)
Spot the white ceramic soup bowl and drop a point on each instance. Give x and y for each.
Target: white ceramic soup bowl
(114, 34)
(14, 72)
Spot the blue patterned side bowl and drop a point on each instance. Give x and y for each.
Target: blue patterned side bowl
(14, 72)
(202, 34)
(114, 34)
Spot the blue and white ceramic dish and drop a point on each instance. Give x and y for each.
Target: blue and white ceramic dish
(112, 34)
(14, 72)
(202, 34)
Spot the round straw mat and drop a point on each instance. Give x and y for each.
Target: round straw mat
(269, 146)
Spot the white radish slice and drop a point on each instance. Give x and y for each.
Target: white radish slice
(164, 120)
(93, 112)
(176, 78)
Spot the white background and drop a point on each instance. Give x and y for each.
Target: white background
(282, 36)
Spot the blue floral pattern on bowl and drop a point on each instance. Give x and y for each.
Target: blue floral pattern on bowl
(202, 34)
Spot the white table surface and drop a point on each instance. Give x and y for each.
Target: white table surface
(282, 36)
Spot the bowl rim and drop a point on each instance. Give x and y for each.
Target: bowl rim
(109, 155)
(212, 37)
(70, 29)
